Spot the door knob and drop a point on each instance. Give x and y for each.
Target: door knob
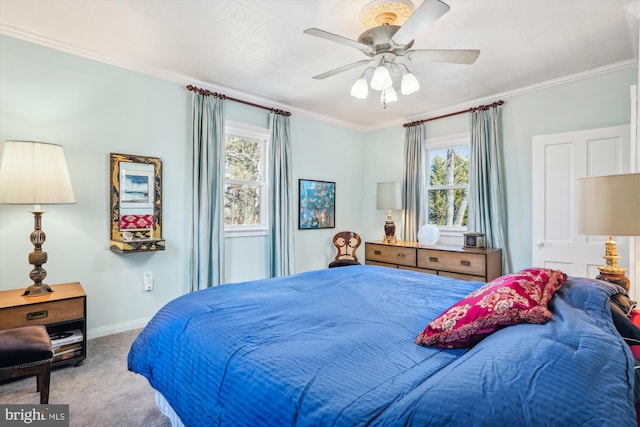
(539, 243)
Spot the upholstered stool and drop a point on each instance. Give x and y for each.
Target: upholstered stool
(24, 352)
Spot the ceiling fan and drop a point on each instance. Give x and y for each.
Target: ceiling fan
(386, 42)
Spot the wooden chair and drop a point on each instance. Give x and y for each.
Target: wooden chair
(346, 242)
(24, 352)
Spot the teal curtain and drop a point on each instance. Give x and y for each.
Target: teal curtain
(413, 193)
(487, 204)
(281, 201)
(207, 213)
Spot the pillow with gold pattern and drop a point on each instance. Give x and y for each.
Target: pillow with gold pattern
(520, 297)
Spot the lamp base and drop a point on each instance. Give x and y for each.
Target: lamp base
(611, 272)
(37, 257)
(37, 290)
(389, 232)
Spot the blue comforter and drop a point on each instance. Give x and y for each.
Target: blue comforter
(335, 347)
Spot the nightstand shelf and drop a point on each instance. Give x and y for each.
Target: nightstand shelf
(62, 310)
(482, 265)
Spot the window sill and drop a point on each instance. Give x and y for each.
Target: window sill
(246, 233)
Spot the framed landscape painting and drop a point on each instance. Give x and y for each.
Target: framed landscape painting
(317, 204)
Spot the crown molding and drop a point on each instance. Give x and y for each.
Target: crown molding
(618, 66)
(163, 74)
(170, 76)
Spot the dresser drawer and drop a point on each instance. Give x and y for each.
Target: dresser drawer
(461, 276)
(380, 264)
(457, 262)
(419, 270)
(391, 254)
(45, 313)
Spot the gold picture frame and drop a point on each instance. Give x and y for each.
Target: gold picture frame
(136, 203)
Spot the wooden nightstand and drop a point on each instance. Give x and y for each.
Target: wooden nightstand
(62, 310)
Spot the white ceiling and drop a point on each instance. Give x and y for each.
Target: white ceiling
(256, 50)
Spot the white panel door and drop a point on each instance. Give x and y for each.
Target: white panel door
(558, 160)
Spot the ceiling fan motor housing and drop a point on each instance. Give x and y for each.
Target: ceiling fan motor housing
(380, 40)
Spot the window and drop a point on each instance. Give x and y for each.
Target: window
(245, 204)
(447, 182)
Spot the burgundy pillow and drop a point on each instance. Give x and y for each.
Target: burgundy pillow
(521, 297)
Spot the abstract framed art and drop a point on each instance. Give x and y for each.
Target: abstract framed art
(316, 204)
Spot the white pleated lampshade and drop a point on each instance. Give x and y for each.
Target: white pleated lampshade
(34, 173)
(609, 205)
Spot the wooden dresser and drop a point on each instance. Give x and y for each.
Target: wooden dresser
(61, 311)
(481, 265)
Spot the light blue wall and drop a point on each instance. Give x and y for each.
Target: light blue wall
(594, 102)
(327, 153)
(383, 159)
(93, 109)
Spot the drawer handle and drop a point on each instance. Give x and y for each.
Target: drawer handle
(433, 259)
(400, 255)
(37, 315)
(377, 252)
(465, 263)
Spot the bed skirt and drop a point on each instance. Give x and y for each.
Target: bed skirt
(167, 410)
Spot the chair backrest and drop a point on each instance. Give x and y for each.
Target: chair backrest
(346, 242)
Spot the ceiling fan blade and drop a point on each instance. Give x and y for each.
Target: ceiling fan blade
(428, 13)
(454, 56)
(338, 39)
(341, 69)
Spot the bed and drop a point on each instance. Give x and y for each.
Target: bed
(337, 347)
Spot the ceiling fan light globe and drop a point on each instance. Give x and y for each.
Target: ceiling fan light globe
(381, 78)
(409, 84)
(389, 95)
(360, 89)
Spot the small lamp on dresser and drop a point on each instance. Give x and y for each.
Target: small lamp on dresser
(610, 206)
(389, 197)
(35, 173)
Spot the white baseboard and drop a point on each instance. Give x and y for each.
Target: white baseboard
(119, 327)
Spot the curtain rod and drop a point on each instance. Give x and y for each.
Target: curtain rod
(222, 96)
(470, 110)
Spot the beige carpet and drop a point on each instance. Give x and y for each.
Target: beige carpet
(101, 392)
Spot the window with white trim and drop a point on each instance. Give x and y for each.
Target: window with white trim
(246, 180)
(447, 182)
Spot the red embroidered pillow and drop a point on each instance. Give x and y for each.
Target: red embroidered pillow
(515, 298)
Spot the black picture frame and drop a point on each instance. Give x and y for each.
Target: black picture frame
(316, 204)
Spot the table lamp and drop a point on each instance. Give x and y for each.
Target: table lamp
(610, 205)
(389, 198)
(35, 173)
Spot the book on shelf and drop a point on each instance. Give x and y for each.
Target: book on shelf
(67, 355)
(67, 348)
(58, 339)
